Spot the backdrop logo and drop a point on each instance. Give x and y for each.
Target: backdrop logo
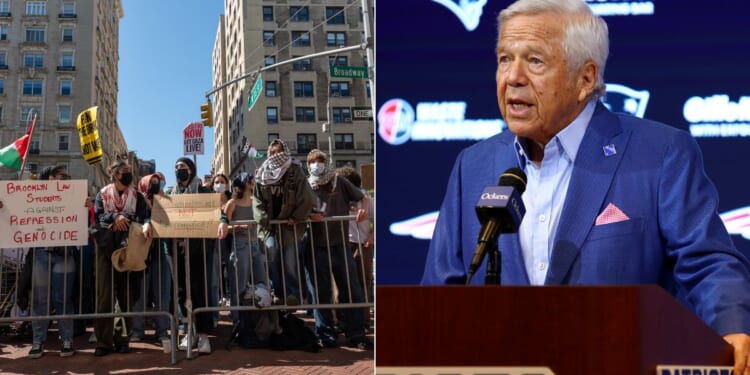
(395, 119)
(468, 11)
(621, 8)
(718, 116)
(737, 221)
(434, 121)
(621, 98)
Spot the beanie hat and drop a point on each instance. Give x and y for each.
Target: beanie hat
(190, 165)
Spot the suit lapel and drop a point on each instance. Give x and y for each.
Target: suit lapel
(592, 176)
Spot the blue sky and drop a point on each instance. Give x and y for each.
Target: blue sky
(164, 73)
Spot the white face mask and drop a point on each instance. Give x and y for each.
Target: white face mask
(220, 188)
(316, 169)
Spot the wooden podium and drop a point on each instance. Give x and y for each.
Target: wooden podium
(573, 330)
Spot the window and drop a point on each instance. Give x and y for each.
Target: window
(66, 88)
(338, 60)
(271, 89)
(34, 110)
(5, 7)
(303, 89)
(68, 9)
(304, 114)
(299, 14)
(33, 60)
(367, 84)
(341, 114)
(270, 60)
(272, 137)
(4, 60)
(34, 146)
(3, 32)
(272, 115)
(267, 13)
(346, 163)
(2, 86)
(32, 87)
(36, 8)
(268, 38)
(64, 114)
(300, 39)
(63, 141)
(304, 64)
(66, 59)
(335, 16)
(32, 167)
(336, 38)
(344, 141)
(35, 34)
(340, 89)
(67, 35)
(306, 142)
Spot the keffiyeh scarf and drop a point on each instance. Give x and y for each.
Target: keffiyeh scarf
(320, 179)
(273, 169)
(114, 202)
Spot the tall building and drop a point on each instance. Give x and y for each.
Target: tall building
(301, 102)
(58, 58)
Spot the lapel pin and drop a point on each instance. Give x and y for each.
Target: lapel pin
(609, 150)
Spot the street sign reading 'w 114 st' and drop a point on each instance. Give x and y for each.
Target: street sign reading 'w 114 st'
(348, 71)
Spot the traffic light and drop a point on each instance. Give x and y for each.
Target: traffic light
(207, 114)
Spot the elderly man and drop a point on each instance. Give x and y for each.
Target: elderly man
(610, 199)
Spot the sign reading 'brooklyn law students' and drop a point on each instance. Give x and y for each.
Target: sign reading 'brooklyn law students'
(186, 215)
(43, 213)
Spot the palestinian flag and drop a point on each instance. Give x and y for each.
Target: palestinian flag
(11, 156)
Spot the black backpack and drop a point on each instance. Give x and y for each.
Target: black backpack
(254, 329)
(294, 335)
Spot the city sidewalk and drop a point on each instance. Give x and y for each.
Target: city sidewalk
(147, 357)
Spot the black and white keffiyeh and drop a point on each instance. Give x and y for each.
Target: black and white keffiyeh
(273, 169)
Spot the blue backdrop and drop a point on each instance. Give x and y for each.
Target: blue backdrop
(684, 63)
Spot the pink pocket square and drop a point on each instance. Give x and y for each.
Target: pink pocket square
(611, 214)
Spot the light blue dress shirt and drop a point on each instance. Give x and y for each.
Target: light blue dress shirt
(546, 189)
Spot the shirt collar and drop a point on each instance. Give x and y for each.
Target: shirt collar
(569, 138)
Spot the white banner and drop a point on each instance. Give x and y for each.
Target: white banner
(193, 135)
(43, 213)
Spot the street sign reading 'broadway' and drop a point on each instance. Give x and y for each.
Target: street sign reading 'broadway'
(348, 71)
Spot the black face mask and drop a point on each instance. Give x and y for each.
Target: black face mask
(153, 189)
(182, 175)
(126, 178)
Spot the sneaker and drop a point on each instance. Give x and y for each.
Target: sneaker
(37, 349)
(263, 297)
(361, 343)
(92, 338)
(67, 349)
(204, 345)
(183, 342)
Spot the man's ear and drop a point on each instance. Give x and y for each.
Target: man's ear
(586, 80)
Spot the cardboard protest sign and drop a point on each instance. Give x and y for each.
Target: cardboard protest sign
(43, 213)
(186, 215)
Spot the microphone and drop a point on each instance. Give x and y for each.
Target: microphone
(500, 210)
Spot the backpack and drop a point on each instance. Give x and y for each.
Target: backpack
(254, 329)
(294, 335)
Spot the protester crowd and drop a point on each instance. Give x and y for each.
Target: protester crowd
(278, 243)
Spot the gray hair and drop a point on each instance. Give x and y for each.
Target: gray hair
(585, 35)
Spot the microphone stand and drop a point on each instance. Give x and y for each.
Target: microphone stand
(494, 260)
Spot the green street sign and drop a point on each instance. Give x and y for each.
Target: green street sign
(348, 71)
(255, 93)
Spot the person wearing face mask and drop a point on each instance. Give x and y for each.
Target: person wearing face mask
(116, 206)
(246, 263)
(282, 193)
(157, 277)
(201, 254)
(220, 184)
(330, 254)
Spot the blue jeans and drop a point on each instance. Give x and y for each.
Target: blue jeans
(341, 264)
(238, 270)
(158, 280)
(283, 256)
(61, 268)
